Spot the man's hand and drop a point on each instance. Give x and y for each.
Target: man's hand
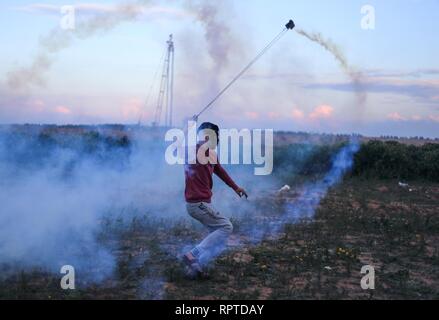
(241, 192)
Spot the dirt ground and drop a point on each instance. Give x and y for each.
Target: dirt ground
(359, 222)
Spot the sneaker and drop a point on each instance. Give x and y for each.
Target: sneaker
(194, 269)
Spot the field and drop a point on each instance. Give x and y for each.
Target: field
(363, 220)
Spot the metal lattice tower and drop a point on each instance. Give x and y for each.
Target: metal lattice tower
(166, 92)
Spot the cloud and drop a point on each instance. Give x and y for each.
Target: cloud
(36, 105)
(63, 110)
(98, 8)
(419, 84)
(252, 115)
(395, 116)
(273, 115)
(132, 109)
(423, 90)
(322, 112)
(297, 114)
(402, 74)
(416, 117)
(292, 77)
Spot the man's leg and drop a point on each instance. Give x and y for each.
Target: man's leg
(219, 225)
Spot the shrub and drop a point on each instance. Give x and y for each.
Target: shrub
(394, 160)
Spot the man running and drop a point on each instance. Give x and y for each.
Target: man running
(198, 194)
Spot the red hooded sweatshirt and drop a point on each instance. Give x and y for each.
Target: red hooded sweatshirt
(199, 181)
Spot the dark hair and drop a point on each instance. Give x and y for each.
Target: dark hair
(211, 126)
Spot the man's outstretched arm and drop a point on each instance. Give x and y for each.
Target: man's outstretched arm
(223, 175)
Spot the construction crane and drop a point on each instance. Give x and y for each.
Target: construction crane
(165, 99)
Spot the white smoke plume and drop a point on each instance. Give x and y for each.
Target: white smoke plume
(56, 196)
(217, 33)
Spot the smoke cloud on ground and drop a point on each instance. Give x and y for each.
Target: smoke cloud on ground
(55, 198)
(56, 190)
(258, 224)
(61, 193)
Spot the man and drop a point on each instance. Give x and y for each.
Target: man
(198, 194)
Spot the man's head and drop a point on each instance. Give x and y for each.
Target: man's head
(207, 129)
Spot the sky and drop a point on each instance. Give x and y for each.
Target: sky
(104, 70)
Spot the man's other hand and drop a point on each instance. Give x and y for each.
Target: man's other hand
(241, 192)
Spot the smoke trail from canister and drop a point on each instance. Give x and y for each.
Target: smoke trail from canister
(217, 34)
(58, 40)
(256, 225)
(305, 206)
(310, 196)
(355, 76)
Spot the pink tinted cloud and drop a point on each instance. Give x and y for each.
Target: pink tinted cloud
(63, 110)
(322, 112)
(297, 114)
(132, 109)
(273, 115)
(395, 116)
(36, 105)
(252, 115)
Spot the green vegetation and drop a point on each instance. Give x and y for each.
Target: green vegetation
(296, 162)
(295, 158)
(393, 160)
(375, 160)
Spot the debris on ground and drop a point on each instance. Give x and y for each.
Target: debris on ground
(403, 184)
(284, 189)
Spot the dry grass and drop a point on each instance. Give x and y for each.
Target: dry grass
(358, 223)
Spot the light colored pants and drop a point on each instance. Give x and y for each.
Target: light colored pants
(220, 229)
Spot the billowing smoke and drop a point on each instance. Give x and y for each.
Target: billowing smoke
(57, 191)
(355, 76)
(53, 212)
(32, 74)
(222, 49)
(45, 223)
(60, 188)
(216, 31)
(306, 204)
(58, 40)
(259, 225)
